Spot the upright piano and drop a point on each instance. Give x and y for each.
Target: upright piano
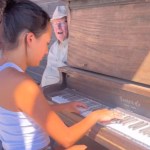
(108, 67)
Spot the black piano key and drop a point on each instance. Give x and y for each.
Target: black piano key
(147, 133)
(67, 96)
(61, 95)
(79, 98)
(89, 102)
(93, 105)
(93, 108)
(114, 121)
(127, 120)
(145, 130)
(124, 119)
(73, 98)
(131, 121)
(133, 125)
(84, 100)
(138, 125)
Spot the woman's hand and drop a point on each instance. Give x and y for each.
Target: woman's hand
(75, 106)
(105, 115)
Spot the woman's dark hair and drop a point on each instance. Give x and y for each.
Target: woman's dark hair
(21, 15)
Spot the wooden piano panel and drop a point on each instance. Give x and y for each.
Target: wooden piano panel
(111, 37)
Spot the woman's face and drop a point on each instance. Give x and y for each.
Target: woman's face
(40, 47)
(60, 28)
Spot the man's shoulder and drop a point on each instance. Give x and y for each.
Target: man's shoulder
(53, 47)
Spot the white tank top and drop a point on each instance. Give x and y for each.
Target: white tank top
(17, 130)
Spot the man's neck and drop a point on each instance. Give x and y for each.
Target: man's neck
(61, 42)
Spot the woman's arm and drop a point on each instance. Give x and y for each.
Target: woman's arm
(30, 99)
(69, 107)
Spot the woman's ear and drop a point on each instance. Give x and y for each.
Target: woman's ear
(30, 37)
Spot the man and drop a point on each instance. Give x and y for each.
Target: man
(57, 55)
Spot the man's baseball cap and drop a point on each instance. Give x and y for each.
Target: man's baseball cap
(60, 12)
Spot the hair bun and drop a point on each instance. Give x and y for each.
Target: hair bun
(9, 5)
(10, 2)
(2, 7)
(5, 6)
(2, 4)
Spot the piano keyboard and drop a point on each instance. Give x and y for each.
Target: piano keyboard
(133, 126)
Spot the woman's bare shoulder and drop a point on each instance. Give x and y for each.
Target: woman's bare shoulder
(18, 88)
(25, 84)
(22, 83)
(18, 78)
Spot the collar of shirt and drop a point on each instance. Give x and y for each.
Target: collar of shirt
(63, 43)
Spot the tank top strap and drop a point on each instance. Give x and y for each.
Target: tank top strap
(10, 65)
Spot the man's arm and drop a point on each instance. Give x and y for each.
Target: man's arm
(50, 75)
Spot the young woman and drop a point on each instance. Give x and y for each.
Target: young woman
(26, 118)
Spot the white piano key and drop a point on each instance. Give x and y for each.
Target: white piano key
(133, 134)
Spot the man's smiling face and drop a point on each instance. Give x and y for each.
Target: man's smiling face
(60, 28)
